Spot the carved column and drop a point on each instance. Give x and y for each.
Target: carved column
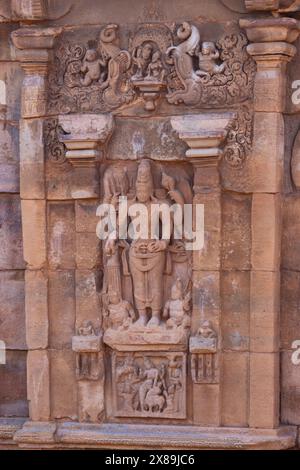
(271, 48)
(84, 137)
(205, 135)
(33, 46)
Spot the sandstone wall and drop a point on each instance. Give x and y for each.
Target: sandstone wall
(13, 394)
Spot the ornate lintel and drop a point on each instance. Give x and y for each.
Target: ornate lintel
(83, 134)
(205, 134)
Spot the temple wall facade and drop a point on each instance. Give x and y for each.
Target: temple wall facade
(192, 103)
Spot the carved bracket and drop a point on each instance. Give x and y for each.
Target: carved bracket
(87, 346)
(83, 135)
(204, 356)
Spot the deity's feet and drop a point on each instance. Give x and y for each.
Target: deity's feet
(141, 321)
(153, 322)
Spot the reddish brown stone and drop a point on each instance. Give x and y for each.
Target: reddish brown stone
(61, 235)
(11, 252)
(236, 231)
(13, 400)
(235, 296)
(12, 310)
(63, 385)
(61, 308)
(235, 389)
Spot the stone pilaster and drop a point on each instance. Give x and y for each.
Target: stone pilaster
(205, 135)
(271, 48)
(33, 49)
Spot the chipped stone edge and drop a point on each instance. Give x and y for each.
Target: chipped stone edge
(123, 436)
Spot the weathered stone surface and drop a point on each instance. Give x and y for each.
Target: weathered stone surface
(290, 386)
(133, 139)
(61, 308)
(264, 311)
(11, 252)
(209, 257)
(264, 390)
(12, 314)
(38, 385)
(206, 404)
(32, 159)
(36, 308)
(34, 232)
(91, 401)
(290, 233)
(61, 235)
(87, 297)
(235, 389)
(236, 231)
(13, 400)
(235, 295)
(86, 219)
(289, 314)
(9, 155)
(88, 250)
(266, 232)
(63, 385)
(266, 161)
(206, 297)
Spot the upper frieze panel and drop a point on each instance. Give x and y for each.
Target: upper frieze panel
(105, 69)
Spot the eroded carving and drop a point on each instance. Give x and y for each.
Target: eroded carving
(177, 309)
(204, 357)
(152, 385)
(55, 149)
(225, 75)
(101, 76)
(147, 289)
(87, 345)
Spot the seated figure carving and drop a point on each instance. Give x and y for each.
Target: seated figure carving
(177, 308)
(208, 60)
(120, 312)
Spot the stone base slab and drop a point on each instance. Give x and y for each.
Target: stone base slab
(138, 436)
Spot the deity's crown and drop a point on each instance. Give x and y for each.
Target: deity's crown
(144, 175)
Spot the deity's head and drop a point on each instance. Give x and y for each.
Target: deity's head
(91, 55)
(206, 330)
(147, 363)
(114, 297)
(86, 328)
(208, 48)
(177, 290)
(144, 182)
(147, 51)
(156, 56)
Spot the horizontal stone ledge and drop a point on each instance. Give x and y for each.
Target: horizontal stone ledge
(133, 436)
(8, 427)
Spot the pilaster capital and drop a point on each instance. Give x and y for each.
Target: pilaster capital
(84, 135)
(205, 134)
(271, 38)
(33, 45)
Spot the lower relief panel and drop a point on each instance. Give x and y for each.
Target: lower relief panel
(149, 384)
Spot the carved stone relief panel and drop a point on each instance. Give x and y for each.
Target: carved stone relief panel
(100, 75)
(149, 385)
